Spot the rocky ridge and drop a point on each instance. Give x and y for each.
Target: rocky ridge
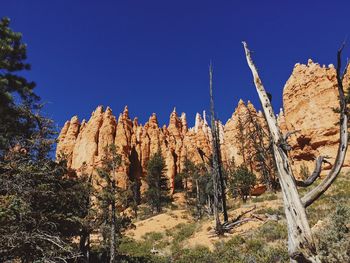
(309, 96)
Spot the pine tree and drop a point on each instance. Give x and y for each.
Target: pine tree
(187, 173)
(261, 152)
(42, 203)
(17, 99)
(242, 181)
(157, 192)
(112, 225)
(201, 188)
(89, 222)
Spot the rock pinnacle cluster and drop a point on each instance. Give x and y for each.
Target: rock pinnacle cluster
(309, 99)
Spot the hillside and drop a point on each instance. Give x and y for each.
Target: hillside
(175, 234)
(309, 95)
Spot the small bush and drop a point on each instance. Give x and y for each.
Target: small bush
(253, 249)
(144, 212)
(242, 182)
(334, 240)
(271, 211)
(198, 254)
(153, 236)
(183, 231)
(271, 197)
(135, 251)
(272, 231)
(269, 254)
(304, 172)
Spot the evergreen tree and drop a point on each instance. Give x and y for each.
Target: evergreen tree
(202, 188)
(90, 221)
(157, 192)
(187, 173)
(111, 225)
(242, 182)
(42, 206)
(17, 99)
(261, 150)
(42, 203)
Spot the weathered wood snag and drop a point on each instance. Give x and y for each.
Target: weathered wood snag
(216, 162)
(301, 246)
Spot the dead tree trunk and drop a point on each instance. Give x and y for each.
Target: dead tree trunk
(199, 210)
(215, 163)
(113, 223)
(301, 246)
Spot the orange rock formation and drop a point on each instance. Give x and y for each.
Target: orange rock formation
(309, 97)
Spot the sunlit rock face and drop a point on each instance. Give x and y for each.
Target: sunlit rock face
(83, 144)
(309, 96)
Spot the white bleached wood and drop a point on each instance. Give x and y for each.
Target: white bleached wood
(301, 246)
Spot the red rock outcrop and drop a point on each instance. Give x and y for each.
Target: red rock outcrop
(245, 138)
(309, 97)
(83, 144)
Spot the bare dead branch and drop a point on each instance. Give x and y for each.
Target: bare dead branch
(266, 217)
(345, 70)
(315, 193)
(229, 226)
(242, 214)
(258, 217)
(290, 133)
(316, 173)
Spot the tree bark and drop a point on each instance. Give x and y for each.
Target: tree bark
(84, 244)
(315, 193)
(215, 168)
(199, 211)
(301, 246)
(113, 223)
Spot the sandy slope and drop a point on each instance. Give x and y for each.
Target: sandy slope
(158, 223)
(171, 218)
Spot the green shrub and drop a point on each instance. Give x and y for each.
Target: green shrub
(271, 211)
(139, 251)
(242, 181)
(272, 231)
(252, 249)
(271, 197)
(227, 252)
(268, 254)
(198, 254)
(257, 200)
(334, 239)
(182, 231)
(153, 236)
(304, 172)
(144, 212)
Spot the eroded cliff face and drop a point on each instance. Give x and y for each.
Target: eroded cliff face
(309, 97)
(83, 144)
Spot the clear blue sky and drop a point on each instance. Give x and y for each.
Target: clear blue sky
(154, 55)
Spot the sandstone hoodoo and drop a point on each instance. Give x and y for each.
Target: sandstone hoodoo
(309, 97)
(82, 144)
